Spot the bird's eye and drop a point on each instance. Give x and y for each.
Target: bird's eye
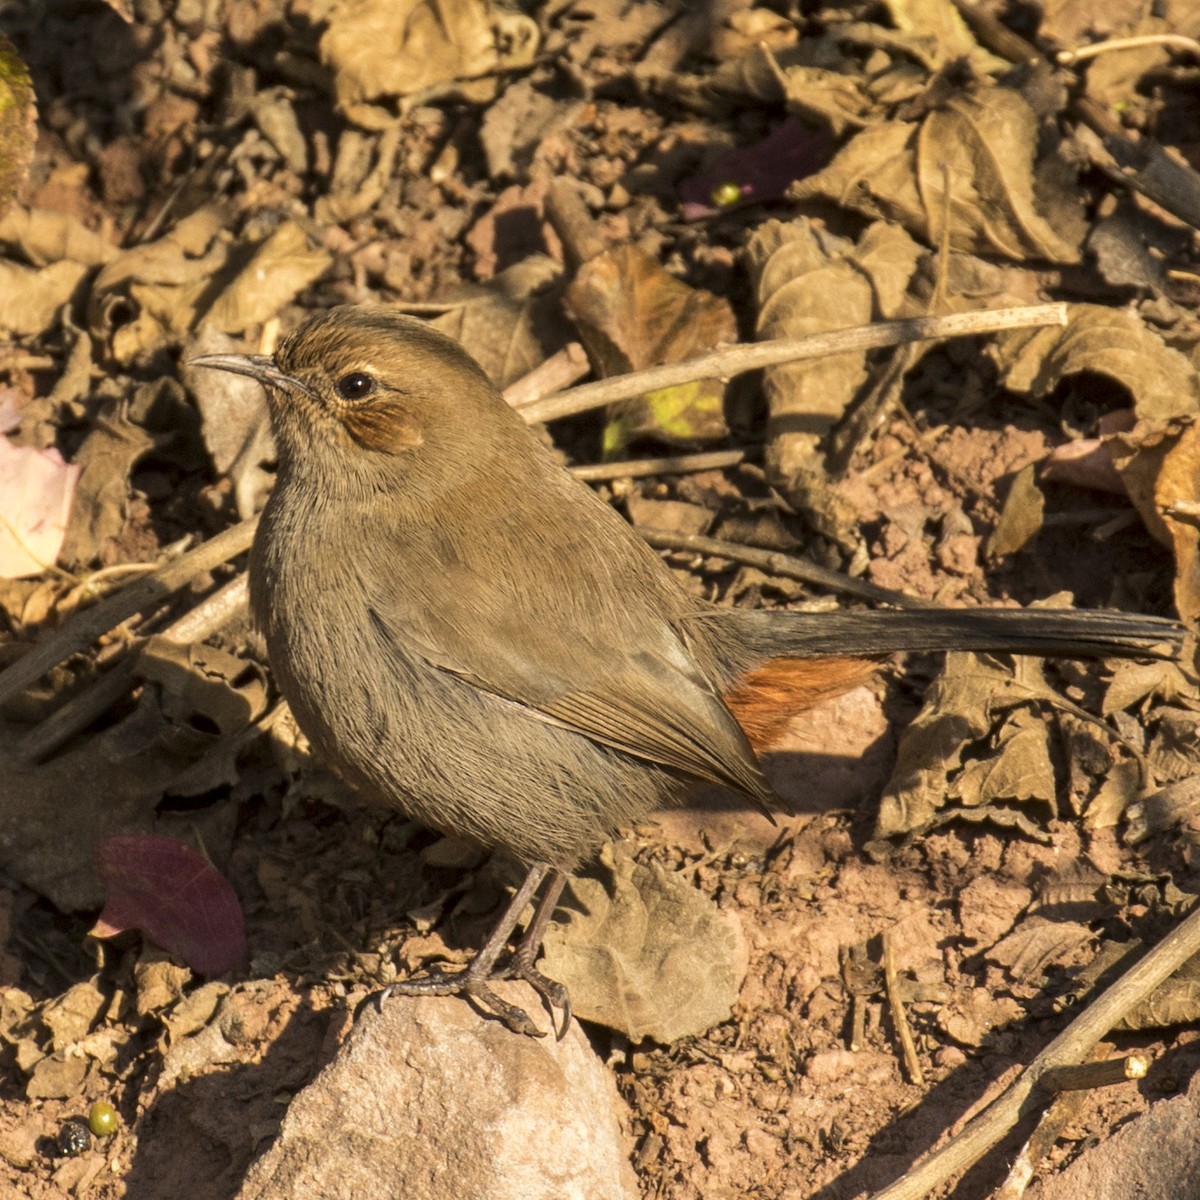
(358, 385)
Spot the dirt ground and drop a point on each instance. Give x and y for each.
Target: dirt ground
(207, 172)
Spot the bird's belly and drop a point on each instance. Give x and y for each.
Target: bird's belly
(460, 759)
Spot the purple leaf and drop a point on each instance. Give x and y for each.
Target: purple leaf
(176, 897)
(756, 173)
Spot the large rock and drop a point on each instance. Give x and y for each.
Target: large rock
(428, 1099)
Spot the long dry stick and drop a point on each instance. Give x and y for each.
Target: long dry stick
(1023, 1095)
(735, 360)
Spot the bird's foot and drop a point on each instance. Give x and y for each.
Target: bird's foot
(554, 994)
(475, 986)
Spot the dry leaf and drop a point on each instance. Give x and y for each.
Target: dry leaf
(981, 147)
(30, 297)
(513, 323)
(1174, 751)
(649, 955)
(1160, 465)
(632, 314)
(1020, 769)
(176, 897)
(1021, 518)
(1114, 342)
(388, 49)
(961, 706)
(105, 460)
(1120, 789)
(279, 269)
(939, 24)
(44, 236)
(1176, 804)
(809, 281)
(1036, 945)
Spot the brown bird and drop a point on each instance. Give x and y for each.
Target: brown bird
(468, 634)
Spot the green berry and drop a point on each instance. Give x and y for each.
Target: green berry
(103, 1119)
(726, 194)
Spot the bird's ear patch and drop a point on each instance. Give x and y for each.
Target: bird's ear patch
(386, 427)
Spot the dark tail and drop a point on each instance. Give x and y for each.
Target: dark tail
(1047, 632)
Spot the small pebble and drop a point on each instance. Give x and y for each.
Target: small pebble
(73, 1138)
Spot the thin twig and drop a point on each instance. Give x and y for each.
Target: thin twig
(671, 464)
(82, 630)
(559, 371)
(1075, 1042)
(1175, 41)
(197, 624)
(773, 562)
(734, 360)
(912, 1064)
(1080, 1077)
(1073, 1081)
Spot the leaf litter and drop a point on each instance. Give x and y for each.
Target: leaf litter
(190, 190)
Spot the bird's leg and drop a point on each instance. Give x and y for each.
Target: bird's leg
(473, 981)
(554, 994)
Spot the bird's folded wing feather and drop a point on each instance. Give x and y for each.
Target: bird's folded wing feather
(653, 706)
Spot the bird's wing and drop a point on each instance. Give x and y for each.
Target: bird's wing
(650, 702)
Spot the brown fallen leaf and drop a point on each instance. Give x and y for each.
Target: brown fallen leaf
(632, 314)
(398, 49)
(1160, 465)
(648, 955)
(31, 297)
(512, 323)
(962, 716)
(807, 281)
(1114, 342)
(281, 267)
(968, 165)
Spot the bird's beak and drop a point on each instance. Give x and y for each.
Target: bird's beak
(257, 366)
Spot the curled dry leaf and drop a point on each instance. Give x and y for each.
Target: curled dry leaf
(105, 461)
(1114, 342)
(961, 707)
(44, 237)
(36, 491)
(397, 49)
(176, 897)
(148, 295)
(968, 165)
(1160, 465)
(648, 954)
(1158, 460)
(193, 275)
(809, 281)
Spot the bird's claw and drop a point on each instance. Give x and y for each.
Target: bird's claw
(475, 987)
